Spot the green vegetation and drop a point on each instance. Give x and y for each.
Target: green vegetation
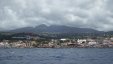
(48, 36)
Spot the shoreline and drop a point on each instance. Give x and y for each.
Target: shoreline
(50, 47)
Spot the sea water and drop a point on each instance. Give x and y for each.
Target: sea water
(56, 56)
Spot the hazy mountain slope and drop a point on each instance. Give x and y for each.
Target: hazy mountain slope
(55, 28)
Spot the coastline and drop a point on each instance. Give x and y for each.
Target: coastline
(50, 47)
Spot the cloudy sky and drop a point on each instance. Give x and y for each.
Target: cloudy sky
(95, 14)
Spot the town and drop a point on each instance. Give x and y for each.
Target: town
(31, 40)
(58, 43)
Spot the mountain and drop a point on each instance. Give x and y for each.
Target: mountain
(57, 32)
(55, 29)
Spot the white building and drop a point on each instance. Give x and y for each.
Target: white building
(81, 41)
(4, 44)
(92, 43)
(111, 39)
(1, 44)
(107, 42)
(63, 39)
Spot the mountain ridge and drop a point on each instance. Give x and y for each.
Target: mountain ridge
(55, 29)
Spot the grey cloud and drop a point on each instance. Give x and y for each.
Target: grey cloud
(95, 14)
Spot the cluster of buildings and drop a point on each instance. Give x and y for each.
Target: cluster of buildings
(99, 43)
(58, 43)
(16, 44)
(79, 43)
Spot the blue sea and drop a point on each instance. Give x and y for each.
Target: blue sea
(56, 56)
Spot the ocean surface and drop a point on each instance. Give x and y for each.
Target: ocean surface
(56, 56)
